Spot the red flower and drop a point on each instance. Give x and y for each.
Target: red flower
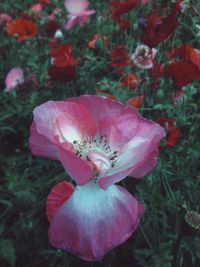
(22, 28)
(62, 75)
(186, 52)
(124, 24)
(120, 57)
(159, 28)
(62, 56)
(111, 97)
(172, 132)
(136, 101)
(119, 8)
(93, 42)
(130, 81)
(183, 72)
(156, 72)
(44, 2)
(186, 70)
(51, 28)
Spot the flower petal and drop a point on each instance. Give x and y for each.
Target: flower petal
(41, 145)
(99, 107)
(58, 195)
(136, 152)
(93, 221)
(148, 165)
(79, 169)
(75, 6)
(14, 77)
(55, 118)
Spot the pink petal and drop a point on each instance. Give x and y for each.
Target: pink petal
(106, 181)
(99, 107)
(72, 22)
(136, 152)
(58, 195)
(41, 145)
(148, 165)
(52, 116)
(93, 221)
(113, 127)
(13, 78)
(80, 170)
(85, 13)
(75, 6)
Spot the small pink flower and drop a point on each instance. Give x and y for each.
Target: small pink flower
(37, 8)
(99, 142)
(78, 12)
(4, 18)
(14, 77)
(177, 97)
(144, 56)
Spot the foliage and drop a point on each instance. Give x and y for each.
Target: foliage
(163, 238)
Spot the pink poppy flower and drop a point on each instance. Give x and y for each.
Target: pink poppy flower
(99, 142)
(144, 56)
(78, 12)
(14, 77)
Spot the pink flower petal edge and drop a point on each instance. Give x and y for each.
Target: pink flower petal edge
(14, 77)
(78, 13)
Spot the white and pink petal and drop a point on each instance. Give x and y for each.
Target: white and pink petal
(93, 221)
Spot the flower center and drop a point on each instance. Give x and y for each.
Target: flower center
(97, 151)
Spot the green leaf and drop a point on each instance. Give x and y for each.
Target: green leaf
(7, 251)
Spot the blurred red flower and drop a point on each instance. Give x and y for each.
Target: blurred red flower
(62, 75)
(172, 132)
(130, 81)
(156, 72)
(93, 43)
(51, 28)
(159, 28)
(117, 9)
(62, 56)
(63, 69)
(124, 24)
(44, 2)
(111, 97)
(187, 69)
(22, 28)
(120, 57)
(136, 101)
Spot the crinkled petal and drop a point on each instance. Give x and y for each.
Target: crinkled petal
(51, 116)
(99, 107)
(136, 152)
(93, 221)
(113, 127)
